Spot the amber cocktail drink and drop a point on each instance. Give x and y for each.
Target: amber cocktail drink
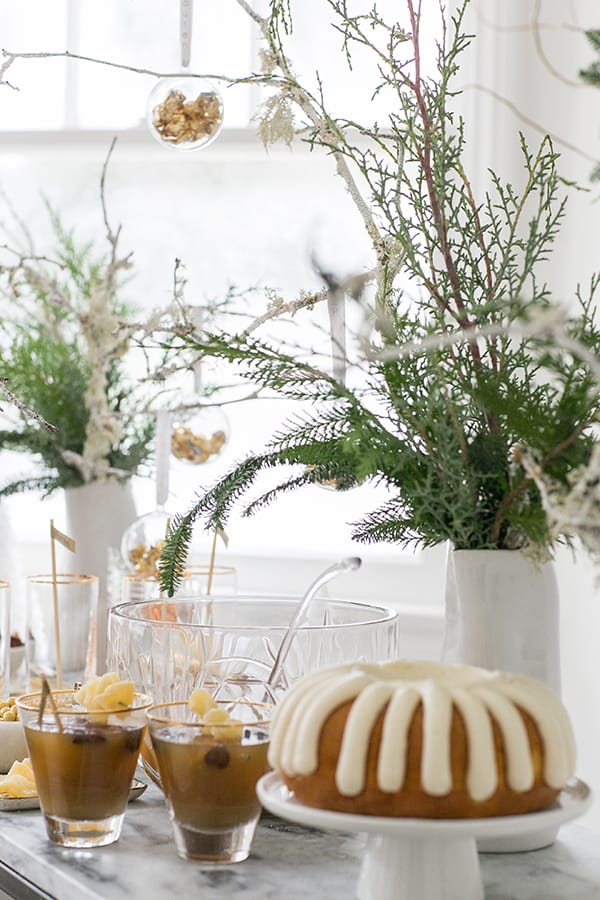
(209, 775)
(83, 763)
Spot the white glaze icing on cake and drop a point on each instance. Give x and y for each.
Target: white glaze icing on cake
(478, 695)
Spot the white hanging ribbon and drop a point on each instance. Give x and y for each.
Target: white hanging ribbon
(163, 453)
(196, 316)
(186, 20)
(336, 306)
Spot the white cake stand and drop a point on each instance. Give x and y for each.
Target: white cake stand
(407, 859)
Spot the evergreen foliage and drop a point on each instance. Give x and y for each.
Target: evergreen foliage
(459, 366)
(43, 357)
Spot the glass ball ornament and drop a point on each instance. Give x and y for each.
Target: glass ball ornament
(143, 541)
(330, 480)
(184, 113)
(200, 437)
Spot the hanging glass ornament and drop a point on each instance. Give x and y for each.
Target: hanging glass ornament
(199, 433)
(185, 112)
(144, 539)
(331, 480)
(201, 436)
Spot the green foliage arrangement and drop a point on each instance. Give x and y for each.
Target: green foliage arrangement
(61, 359)
(462, 358)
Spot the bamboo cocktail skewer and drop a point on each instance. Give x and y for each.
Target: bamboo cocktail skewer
(48, 696)
(70, 544)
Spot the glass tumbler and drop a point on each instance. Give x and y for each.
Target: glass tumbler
(61, 632)
(209, 774)
(83, 763)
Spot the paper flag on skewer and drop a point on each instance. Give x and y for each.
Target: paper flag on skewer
(68, 542)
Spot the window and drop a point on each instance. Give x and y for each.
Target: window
(233, 214)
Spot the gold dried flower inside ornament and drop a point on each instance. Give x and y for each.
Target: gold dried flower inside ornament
(196, 448)
(144, 560)
(183, 116)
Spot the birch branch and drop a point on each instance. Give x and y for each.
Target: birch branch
(24, 408)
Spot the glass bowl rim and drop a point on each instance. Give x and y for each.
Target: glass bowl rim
(389, 614)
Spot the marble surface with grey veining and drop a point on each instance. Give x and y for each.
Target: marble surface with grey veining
(287, 861)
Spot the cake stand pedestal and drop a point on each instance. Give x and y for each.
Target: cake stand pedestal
(409, 858)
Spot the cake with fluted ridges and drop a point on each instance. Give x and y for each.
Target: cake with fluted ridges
(422, 739)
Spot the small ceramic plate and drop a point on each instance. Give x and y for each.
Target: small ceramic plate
(11, 804)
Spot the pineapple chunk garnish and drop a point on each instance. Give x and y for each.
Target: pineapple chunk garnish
(217, 720)
(200, 702)
(19, 781)
(104, 693)
(217, 716)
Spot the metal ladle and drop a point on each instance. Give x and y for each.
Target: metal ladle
(349, 564)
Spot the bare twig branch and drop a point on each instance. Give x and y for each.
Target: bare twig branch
(537, 40)
(24, 408)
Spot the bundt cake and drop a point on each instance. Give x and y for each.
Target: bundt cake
(422, 739)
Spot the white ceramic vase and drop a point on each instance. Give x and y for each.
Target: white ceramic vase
(502, 612)
(97, 514)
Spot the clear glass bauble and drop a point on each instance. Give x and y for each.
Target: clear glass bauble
(143, 541)
(329, 480)
(200, 437)
(184, 113)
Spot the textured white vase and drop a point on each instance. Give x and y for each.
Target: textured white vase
(502, 612)
(97, 514)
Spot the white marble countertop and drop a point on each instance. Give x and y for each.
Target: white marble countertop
(286, 861)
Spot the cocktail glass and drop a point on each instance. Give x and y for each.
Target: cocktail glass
(209, 774)
(83, 763)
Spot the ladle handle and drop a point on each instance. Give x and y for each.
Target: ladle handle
(345, 565)
(186, 19)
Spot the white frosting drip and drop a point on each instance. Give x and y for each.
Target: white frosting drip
(482, 775)
(349, 777)
(391, 765)
(436, 775)
(554, 727)
(301, 754)
(477, 694)
(519, 765)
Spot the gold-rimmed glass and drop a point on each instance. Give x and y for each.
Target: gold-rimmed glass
(83, 763)
(61, 629)
(209, 774)
(196, 581)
